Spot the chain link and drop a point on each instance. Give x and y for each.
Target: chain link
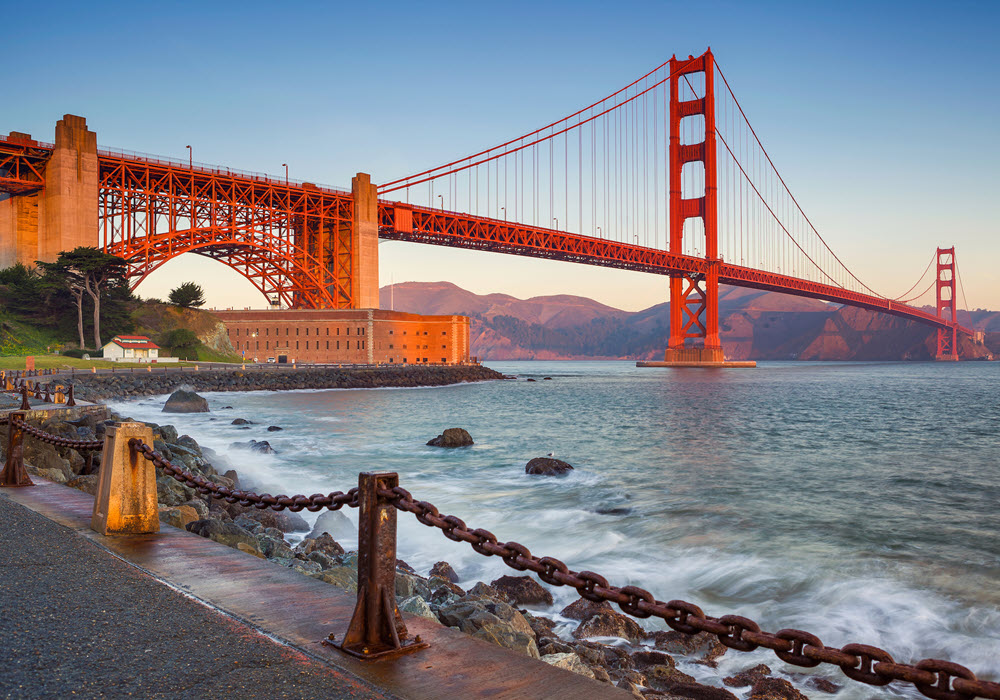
(59, 441)
(937, 679)
(314, 503)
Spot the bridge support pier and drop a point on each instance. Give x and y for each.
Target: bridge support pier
(63, 215)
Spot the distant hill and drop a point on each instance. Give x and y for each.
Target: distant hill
(754, 325)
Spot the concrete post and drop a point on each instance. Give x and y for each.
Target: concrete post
(126, 493)
(364, 243)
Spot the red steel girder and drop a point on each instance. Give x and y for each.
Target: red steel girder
(438, 227)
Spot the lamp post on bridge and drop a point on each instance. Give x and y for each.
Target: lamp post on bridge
(557, 222)
(190, 158)
(286, 173)
(441, 197)
(504, 210)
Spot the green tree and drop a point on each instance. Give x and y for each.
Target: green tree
(188, 295)
(87, 271)
(181, 341)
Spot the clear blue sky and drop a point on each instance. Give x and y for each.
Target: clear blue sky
(883, 116)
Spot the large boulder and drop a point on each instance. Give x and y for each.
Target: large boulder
(547, 466)
(775, 689)
(444, 570)
(452, 437)
(336, 524)
(182, 401)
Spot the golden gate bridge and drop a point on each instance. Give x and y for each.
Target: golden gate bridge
(665, 176)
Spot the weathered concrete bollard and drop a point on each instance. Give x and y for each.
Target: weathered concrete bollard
(13, 473)
(377, 628)
(125, 503)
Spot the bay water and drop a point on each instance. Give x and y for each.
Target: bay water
(859, 502)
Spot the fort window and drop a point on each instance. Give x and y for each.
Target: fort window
(348, 330)
(444, 359)
(296, 331)
(307, 345)
(307, 332)
(338, 345)
(296, 345)
(328, 345)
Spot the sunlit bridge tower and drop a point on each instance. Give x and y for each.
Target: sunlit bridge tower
(694, 296)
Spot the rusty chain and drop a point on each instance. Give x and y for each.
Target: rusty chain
(59, 441)
(314, 503)
(937, 679)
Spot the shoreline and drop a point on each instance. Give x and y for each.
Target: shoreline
(116, 387)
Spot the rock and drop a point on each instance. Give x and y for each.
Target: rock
(226, 408)
(775, 689)
(415, 605)
(171, 492)
(523, 590)
(336, 524)
(242, 421)
(452, 437)
(226, 533)
(199, 506)
(182, 401)
(324, 544)
(543, 627)
(547, 466)
(168, 433)
(55, 475)
(471, 614)
(822, 684)
(179, 516)
(262, 447)
(548, 379)
(697, 691)
(274, 548)
(504, 635)
(570, 662)
(274, 428)
(87, 484)
(584, 609)
(747, 676)
(344, 577)
(608, 623)
(704, 646)
(553, 646)
(283, 520)
(52, 462)
(483, 591)
(324, 561)
(529, 379)
(645, 658)
(408, 585)
(444, 570)
(233, 476)
(249, 549)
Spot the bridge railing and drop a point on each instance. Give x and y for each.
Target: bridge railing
(212, 169)
(377, 628)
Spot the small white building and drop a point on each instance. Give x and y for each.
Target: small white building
(132, 348)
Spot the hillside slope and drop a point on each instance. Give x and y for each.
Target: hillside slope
(753, 324)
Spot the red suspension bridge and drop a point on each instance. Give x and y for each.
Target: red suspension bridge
(665, 176)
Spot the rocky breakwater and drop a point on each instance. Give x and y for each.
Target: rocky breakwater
(101, 387)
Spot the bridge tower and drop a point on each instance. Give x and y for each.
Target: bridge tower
(947, 338)
(694, 297)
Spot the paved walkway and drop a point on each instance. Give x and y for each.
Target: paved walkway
(76, 620)
(91, 614)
